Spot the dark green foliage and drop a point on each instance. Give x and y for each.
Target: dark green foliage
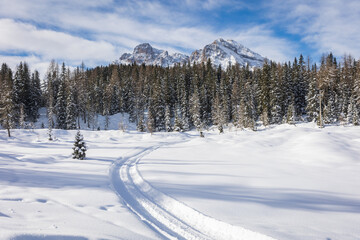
(313, 97)
(70, 111)
(7, 106)
(186, 97)
(195, 110)
(61, 105)
(141, 122)
(150, 123)
(168, 125)
(79, 147)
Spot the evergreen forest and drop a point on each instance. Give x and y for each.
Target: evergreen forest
(184, 97)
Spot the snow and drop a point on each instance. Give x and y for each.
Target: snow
(44, 192)
(220, 52)
(283, 182)
(286, 182)
(226, 53)
(145, 53)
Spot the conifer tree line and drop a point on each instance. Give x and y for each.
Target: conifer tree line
(184, 97)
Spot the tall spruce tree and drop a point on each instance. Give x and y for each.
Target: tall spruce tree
(168, 125)
(70, 111)
(61, 105)
(218, 114)
(195, 110)
(312, 97)
(275, 94)
(7, 105)
(35, 97)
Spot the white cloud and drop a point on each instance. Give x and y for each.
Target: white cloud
(73, 31)
(44, 45)
(215, 4)
(34, 62)
(325, 25)
(51, 44)
(261, 40)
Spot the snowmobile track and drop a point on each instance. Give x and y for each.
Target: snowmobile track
(164, 214)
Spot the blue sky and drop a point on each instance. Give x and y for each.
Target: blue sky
(99, 31)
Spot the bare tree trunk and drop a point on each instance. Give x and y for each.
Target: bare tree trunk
(8, 130)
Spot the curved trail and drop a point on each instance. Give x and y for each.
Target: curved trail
(164, 214)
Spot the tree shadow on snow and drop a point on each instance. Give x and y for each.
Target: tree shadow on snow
(311, 200)
(4, 215)
(47, 237)
(51, 179)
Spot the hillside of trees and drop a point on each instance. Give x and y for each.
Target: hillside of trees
(184, 97)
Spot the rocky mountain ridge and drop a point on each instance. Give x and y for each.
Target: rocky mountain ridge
(220, 52)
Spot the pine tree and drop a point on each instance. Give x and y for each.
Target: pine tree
(356, 120)
(70, 111)
(195, 110)
(350, 112)
(218, 114)
(168, 126)
(356, 96)
(247, 107)
(300, 85)
(79, 147)
(61, 105)
(291, 114)
(141, 121)
(18, 87)
(36, 97)
(51, 90)
(265, 117)
(81, 94)
(312, 97)
(275, 95)
(50, 118)
(236, 98)
(330, 113)
(22, 121)
(345, 86)
(264, 93)
(150, 123)
(287, 87)
(177, 122)
(7, 107)
(240, 115)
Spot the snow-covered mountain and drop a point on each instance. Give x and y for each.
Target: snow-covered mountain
(220, 52)
(226, 53)
(145, 53)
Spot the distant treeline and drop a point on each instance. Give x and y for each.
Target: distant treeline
(185, 97)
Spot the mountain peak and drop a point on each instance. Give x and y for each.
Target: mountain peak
(227, 52)
(145, 53)
(220, 52)
(143, 48)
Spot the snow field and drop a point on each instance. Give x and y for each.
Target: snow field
(284, 182)
(45, 193)
(212, 228)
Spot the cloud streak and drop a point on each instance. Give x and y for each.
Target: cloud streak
(98, 32)
(324, 25)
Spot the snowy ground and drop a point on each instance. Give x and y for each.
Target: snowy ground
(283, 182)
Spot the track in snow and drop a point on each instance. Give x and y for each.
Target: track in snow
(164, 214)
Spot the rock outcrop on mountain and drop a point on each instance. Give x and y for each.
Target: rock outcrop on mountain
(220, 52)
(145, 53)
(224, 53)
